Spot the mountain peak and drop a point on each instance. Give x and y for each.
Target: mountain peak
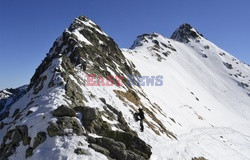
(144, 38)
(83, 21)
(185, 32)
(82, 43)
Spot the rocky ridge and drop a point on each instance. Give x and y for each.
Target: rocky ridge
(58, 115)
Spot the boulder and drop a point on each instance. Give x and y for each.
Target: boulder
(59, 128)
(114, 149)
(64, 111)
(132, 142)
(88, 114)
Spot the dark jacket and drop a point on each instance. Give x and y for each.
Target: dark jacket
(141, 113)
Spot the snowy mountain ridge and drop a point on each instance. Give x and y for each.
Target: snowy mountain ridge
(203, 101)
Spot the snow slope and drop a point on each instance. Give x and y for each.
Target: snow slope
(203, 101)
(200, 92)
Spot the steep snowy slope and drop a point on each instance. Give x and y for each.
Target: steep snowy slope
(205, 90)
(61, 116)
(74, 109)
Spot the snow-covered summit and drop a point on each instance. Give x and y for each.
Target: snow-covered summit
(185, 32)
(144, 38)
(219, 83)
(203, 100)
(61, 115)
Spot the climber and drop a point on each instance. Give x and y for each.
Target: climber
(140, 116)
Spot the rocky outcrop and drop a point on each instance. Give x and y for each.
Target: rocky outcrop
(131, 150)
(185, 32)
(64, 111)
(229, 66)
(114, 144)
(65, 126)
(12, 140)
(199, 158)
(39, 139)
(100, 56)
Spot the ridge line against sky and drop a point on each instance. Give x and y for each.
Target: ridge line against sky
(29, 28)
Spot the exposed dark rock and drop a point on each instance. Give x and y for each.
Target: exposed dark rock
(17, 116)
(109, 114)
(145, 38)
(199, 158)
(91, 119)
(26, 141)
(64, 111)
(117, 149)
(39, 85)
(29, 112)
(15, 113)
(172, 119)
(51, 83)
(37, 77)
(204, 56)
(30, 103)
(184, 32)
(59, 127)
(107, 142)
(169, 46)
(222, 54)
(88, 113)
(114, 143)
(206, 47)
(23, 132)
(14, 137)
(99, 149)
(103, 100)
(229, 66)
(1, 125)
(156, 42)
(132, 142)
(243, 85)
(28, 152)
(122, 123)
(4, 115)
(81, 151)
(73, 92)
(40, 138)
(166, 53)
(103, 56)
(112, 109)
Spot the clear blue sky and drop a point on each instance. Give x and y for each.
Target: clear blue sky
(29, 27)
